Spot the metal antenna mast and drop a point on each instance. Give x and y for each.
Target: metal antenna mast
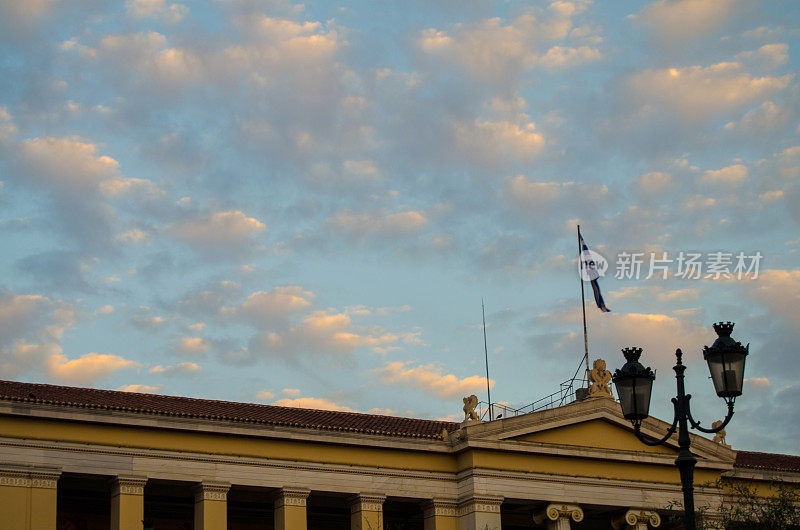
(486, 355)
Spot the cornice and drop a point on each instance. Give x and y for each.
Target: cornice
(223, 427)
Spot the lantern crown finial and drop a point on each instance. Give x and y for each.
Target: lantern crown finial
(632, 354)
(724, 329)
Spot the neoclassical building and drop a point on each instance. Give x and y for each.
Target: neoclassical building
(86, 459)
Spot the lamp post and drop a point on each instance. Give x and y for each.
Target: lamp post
(634, 385)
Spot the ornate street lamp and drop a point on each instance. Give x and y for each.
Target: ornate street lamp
(634, 384)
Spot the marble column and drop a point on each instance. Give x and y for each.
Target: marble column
(290, 508)
(636, 519)
(211, 505)
(559, 516)
(440, 514)
(479, 512)
(366, 511)
(127, 502)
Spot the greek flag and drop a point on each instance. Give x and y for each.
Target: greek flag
(590, 273)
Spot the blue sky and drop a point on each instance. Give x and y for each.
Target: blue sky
(303, 204)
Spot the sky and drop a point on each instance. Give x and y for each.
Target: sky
(305, 203)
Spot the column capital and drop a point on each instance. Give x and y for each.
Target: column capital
(439, 507)
(29, 476)
(556, 511)
(15, 477)
(127, 485)
(366, 502)
(479, 503)
(636, 517)
(291, 496)
(46, 479)
(211, 491)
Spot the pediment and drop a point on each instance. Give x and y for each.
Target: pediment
(593, 433)
(592, 425)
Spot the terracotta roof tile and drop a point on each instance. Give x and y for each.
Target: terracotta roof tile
(767, 461)
(223, 410)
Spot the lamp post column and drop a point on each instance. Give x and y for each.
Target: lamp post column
(686, 460)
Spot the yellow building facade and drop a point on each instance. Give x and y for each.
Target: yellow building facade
(85, 459)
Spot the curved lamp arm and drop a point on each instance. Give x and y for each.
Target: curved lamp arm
(637, 429)
(713, 430)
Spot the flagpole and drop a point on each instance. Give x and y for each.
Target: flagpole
(486, 356)
(583, 303)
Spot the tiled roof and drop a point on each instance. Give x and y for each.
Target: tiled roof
(222, 410)
(767, 461)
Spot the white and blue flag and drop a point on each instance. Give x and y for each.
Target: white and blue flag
(591, 273)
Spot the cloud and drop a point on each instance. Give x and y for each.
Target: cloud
(31, 329)
(264, 395)
(143, 389)
(290, 391)
(779, 291)
(229, 230)
(325, 333)
(430, 379)
(133, 235)
(85, 370)
(490, 142)
(208, 301)
(183, 368)
(378, 224)
(67, 163)
(677, 20)
(734, 174)
(766, 117)
(192, 346)
(312, 403)
(105, 310)
(82, 184)
(538, 198)
(768, 56)
(658, 334)
(171, 13)
(490, 50)
(695, 92)
(655, 183)
(266, 308)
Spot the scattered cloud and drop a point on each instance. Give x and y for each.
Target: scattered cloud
(142, 389)
(378, 225)
(429, 379)
(265, 308)
(675, 21)
(734, 174)
(229, 230)
(184, 368)
(696, 92)
(86, 369)
(192, 346)
(312, 403)
(265, 395)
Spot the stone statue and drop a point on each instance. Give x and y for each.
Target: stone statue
(720, 436)
(600, 379)
(470, 402)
